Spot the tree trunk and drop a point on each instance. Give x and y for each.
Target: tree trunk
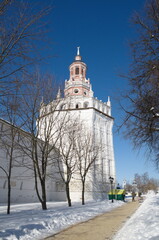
(9, 196)
(83, 192)
(44, 206)
(68, 194)
(9, 178)
(42, 198)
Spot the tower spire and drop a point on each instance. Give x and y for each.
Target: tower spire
(78, 57)
(78, 51)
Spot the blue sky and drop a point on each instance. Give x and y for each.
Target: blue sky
(103, 31)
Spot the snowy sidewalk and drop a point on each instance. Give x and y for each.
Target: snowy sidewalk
(101, 227)
(30, 222)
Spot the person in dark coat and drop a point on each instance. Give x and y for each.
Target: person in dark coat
(133, 196)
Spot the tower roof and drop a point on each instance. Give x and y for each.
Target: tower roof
(78, 85)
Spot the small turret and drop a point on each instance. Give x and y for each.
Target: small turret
(108, 102)
(42, 102)
(58, 96)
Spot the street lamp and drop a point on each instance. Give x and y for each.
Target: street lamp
(111, 185)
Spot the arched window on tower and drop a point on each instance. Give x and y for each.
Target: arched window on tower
(77, 70)
(78, 105)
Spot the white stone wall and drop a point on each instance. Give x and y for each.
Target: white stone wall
(22, 175)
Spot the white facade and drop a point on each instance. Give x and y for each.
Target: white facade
(79, 104)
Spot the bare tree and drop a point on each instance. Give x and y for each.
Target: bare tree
(9, 137)
(8, 145)
(142, 102)
(40, 126)
(128, 187)
(144, 183)
(21, 28)
(3, 5)
(86, 154)
(67, 159)
(153, 184)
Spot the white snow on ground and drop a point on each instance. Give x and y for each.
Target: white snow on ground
(144, 223)
(28, 221)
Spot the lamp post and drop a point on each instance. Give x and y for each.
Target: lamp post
(111, 185)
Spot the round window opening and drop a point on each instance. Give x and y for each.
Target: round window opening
(76, 91)
(85, 93)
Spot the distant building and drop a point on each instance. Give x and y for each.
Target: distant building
(124, 184)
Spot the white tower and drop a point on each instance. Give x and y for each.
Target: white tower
(79, 101)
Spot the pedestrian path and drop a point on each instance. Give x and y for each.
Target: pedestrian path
(102, 227)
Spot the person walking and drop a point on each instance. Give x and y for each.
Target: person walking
(133, 196)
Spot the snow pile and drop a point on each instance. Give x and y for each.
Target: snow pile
(144, 224)
(28, 221)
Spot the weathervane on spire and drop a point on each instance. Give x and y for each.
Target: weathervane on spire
(78, 51)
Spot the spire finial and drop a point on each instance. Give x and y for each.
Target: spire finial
(78, 57)
(58, 94)
(108, 102)
(42, 101)
(78, 51)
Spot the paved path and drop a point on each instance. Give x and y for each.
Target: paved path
(102, 227)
